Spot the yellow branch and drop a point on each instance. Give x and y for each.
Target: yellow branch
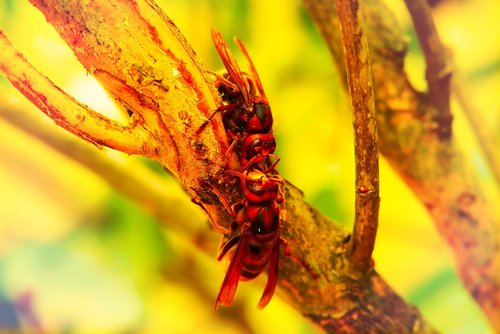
(64, 109)
(140, 57)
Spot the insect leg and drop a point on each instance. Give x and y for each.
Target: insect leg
(227, 246)
(273, 166)
(224, 201)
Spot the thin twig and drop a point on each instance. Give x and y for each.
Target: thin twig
(64, 109)
(360, 83)
(439, 69)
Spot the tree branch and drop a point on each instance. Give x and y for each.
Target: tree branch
(139, 56)
(365, 133)
(65, 110)
(431, 165)
(150, 71)
(439, 68)
(439, 72)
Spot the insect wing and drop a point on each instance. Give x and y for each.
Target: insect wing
(252, 67)
(230, 283)
(230, 64)
(272, 278)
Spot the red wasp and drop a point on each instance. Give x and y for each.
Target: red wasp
(257, 239)
(247, 109)
(246, 113)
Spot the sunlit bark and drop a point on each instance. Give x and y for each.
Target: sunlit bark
(360, 82)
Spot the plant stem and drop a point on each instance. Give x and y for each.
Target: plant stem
(360, 84)
(439, 69)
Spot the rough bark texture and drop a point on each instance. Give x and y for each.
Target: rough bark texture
(416, 140)
(136, 52)
(359, 78)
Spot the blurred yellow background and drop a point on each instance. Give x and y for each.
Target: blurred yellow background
(91, 261)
